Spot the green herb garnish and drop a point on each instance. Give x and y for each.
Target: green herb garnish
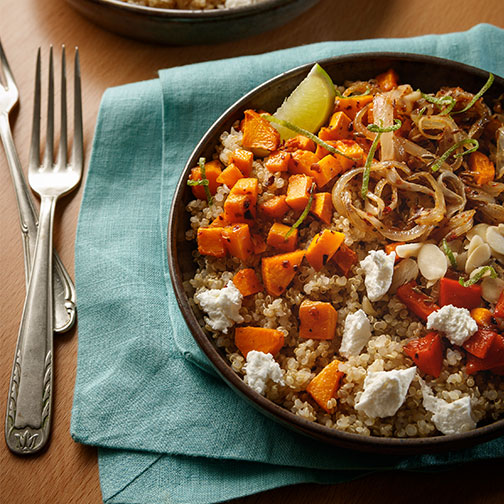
(302, 217)
(421, 112)
(445, 103)
(478, 95)
(306, 133)
(446, 155)
(203, 181)
(448, 251)
(478, 276)
(339, 94)
(367, 166)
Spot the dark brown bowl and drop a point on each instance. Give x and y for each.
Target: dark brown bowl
(189, 27)
(424, 72)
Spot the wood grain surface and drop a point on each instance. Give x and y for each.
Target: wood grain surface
(68, 472)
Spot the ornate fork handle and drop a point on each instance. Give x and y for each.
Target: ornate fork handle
(64, 290)
(30, 398)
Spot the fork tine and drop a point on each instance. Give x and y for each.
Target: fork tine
(62, 152)
(77, 148)
(9, 77)
(49, 148)
(35, 137)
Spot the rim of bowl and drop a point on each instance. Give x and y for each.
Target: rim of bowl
(360, 442)
(201, 15)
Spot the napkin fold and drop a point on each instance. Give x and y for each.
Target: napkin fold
(169, 430)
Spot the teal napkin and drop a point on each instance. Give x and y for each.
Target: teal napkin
(169, 430)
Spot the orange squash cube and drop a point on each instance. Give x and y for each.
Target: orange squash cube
(238, 241)
(323, 246)
(260, 339)
(241, 202)
(325, 385)
(275, 207)
(387, 80)
(278, 161)
(340, 127)
(276, 237)
(302, 162)
(220, 221)
(298, 191)
(278, 271)
(317, 320)
(258, 243)
(259, 136)
(230, 175)
(326, 169)
(352, 104)
(212, 171)
(211, 242)
(243, 160)
(345, 258)
(322, 207)
(299, 142)
(246, 281)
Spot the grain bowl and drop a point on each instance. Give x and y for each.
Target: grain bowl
(343, 320)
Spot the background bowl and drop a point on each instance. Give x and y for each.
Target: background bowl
(424, 72)
(189, 27)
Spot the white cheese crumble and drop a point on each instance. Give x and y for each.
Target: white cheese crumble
(456, 323)
(356, 334)
(222, 306)
(449, 418)
(379, 269)
(260, 368)
(385, 392)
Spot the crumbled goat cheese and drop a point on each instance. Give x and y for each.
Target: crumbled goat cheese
(260, 368)
(379, 269)
(356, 334)
(449, 418)
(385, 392)
(456, 323)
(222, 306)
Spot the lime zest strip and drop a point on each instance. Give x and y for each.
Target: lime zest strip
(303, 216)
(446, 155)
(478, 95)
(448, 102)
(367, 166)
(476, 278)
(306, 133)
(203, 181)
(448, 251)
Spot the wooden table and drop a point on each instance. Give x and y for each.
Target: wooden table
(68, 472)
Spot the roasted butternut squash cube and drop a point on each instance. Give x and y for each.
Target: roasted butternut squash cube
(482, 169)
(212, 171)
(322, 207)
(299, 142)
(340, 127)
(275, 207)
(345, 258)
(243, 159)
(317, 320)
(298, 191)
(325, 385)
(387, 80)
(277, 237)
(260, 339)
(241, 202)
(323, 246)
(259, 243)
(230, 175)
(352, 104)
(326, 169)
(211, 242)
(220, 221)
(259, 136)
(278, 271)
(278, 161)
(238, 241)
(302, 161)
(246, 281)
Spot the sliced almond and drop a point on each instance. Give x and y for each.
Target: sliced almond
(491, 289)
(368, 307)
(479, 257)
(404, 272)
(432, 262)
(408, 250)
(475, 242)
(495, 239)
(478, 229)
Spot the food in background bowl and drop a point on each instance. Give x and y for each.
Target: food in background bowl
(194, 4)
(353, 274)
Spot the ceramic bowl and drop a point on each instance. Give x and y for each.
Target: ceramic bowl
(426, 73)
(189, 27)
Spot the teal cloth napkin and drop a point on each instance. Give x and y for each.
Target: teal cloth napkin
(169, 430)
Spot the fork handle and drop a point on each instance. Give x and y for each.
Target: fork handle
(30, 393)
(64, 290)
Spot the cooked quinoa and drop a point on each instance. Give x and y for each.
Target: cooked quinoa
(392, 324)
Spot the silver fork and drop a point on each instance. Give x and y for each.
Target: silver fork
(30, 402)
(64, 290)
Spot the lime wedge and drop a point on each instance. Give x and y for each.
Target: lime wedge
(309, 105)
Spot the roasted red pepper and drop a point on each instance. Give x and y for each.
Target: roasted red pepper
(427, 353)
(451, 292)
(480, 342)
(499, 307)
(494, 357)
(416, 301)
